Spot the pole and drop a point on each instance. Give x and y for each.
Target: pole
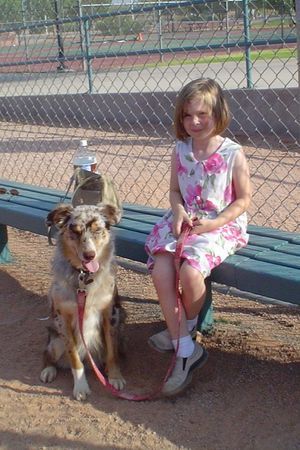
(60, 45)
(227, 26)
(87, 53)
(81, 33)
(24, 19)
(160, 33)
(247, 42)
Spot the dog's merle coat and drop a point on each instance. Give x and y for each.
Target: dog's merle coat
(84, 246)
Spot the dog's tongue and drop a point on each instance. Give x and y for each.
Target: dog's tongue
(91, 266)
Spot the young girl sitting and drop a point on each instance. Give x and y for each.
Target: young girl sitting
(210, 191)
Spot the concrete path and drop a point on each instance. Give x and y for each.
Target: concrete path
(231, 75)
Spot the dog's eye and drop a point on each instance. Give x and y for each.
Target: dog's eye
(95, 228)
(97, 231)
(75, 230)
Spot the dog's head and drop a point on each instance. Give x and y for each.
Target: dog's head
(84, 233)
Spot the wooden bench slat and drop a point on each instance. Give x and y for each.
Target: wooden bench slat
(31, 189)
(140, 217)
(128, 244)
(267, 242)
(24, 218)
(43, 204)
(274, 233)
(271, 256)
(259, 277)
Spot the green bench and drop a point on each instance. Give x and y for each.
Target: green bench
(269, 266)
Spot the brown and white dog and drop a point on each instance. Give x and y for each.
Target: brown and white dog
(84, 248)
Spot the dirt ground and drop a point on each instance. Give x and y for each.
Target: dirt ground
(246, 397)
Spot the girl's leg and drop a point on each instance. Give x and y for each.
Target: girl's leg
(193, 290)
(164, 279)
(190, 355)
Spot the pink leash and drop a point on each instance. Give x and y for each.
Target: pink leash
(81, 298)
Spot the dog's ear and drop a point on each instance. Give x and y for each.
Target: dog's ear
(111, 213)
(59, 216)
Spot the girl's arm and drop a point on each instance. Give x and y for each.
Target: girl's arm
(242, 187)
(176, 201)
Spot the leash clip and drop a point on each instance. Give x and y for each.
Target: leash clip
(81, 283)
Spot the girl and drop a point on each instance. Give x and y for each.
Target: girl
(210, 191)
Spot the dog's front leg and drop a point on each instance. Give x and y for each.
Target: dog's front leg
(113, 371)
(81, 388)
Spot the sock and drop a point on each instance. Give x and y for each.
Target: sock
(192, 323)
(186, 346)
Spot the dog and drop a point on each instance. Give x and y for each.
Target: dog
(84, 251)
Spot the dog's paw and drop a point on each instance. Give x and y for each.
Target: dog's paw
(117, 383)
(81, 390)
(48, 374)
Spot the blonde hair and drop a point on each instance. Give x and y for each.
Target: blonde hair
(212, 95)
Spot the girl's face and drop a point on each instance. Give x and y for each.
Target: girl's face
(198, 121)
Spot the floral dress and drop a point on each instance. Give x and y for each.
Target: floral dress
(207, 189)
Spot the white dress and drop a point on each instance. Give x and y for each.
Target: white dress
(207, 189)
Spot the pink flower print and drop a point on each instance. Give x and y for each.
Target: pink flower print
(209, 206)
(192, 193)
(180, 168)
(156, 228)
(154, 236)
(215, 164)
(213, 261)
(231, 233)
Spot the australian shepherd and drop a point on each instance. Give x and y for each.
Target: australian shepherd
(84, 254)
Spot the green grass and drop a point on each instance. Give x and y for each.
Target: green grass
(266, 55)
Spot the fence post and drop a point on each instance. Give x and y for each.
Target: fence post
(87, 54)
(247, 43)
(61, 52)
(81, 33)
(160, 33)
(24, 20)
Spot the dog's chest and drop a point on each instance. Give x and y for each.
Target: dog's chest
(91, 326)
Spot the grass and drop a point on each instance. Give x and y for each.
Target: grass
(266, 55)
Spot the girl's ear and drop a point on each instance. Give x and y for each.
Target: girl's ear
(59, 216)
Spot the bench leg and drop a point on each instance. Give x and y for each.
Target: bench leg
(5, 256)
(205, 318)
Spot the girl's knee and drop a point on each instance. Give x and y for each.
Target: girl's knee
(163, 267)
(191, 277)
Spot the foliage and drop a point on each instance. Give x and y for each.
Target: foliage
(18, 11)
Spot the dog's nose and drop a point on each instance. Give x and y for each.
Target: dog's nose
(88, 256)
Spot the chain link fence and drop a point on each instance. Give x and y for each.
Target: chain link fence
(109, 73)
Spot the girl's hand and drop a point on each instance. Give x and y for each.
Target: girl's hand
(203, 226)
(179, 219)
